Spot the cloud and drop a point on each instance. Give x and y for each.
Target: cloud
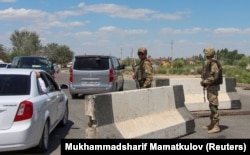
(137, 31)
(120, 11)
(226, 31)
(168, 30)
(174, 16)
(121, 31)
(7, 1)
(107, 29)
(22, 14)
(247, 31)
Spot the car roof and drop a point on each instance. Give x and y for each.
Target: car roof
(20, 71)
(105, 56)
(31, 57)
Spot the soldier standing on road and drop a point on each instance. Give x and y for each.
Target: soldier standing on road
(144, 70)
(209, 76)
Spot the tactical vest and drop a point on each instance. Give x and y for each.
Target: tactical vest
(207, 70)
(140, 72)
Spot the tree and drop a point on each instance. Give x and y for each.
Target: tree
(4, 55)
(25, 43)
(1, 52)
(50, 51)
(244, 61)
(228, 57)
(60, 54)
(64, 55)
(178, 63)
(1, 48)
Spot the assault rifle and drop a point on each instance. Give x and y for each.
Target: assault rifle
(134, 71)
(203, 77)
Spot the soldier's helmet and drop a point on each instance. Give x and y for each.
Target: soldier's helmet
(142, 50)
(209, 51)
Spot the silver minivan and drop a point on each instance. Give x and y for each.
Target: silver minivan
(92, 74)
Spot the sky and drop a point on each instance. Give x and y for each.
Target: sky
(167, 28)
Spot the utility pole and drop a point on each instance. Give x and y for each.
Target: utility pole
(172, 43)
(132, 56)
(121, 53)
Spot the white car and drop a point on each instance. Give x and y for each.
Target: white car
(28, 115)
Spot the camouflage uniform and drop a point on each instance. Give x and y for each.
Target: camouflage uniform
(144, 71)
(209, 76)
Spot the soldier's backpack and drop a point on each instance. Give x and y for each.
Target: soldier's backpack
(220, 79)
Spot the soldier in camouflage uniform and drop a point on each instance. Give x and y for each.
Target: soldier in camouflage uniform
(144, 70)
(209, 76)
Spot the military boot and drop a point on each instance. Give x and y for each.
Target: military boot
(210, 126)
(216, 127)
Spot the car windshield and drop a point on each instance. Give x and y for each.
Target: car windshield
(91, 63)
(35, 63)
(14, 84)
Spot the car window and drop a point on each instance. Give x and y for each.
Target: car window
(49, 82)
(3, 65)
(14, 85)
(91, 63)
(34, 63)
(39, 87)
(115, 63)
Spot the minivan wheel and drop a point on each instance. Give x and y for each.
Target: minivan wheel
(74, 96)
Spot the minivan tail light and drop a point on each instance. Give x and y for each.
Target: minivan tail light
(70, 74)
(25, 111)
(111, 75)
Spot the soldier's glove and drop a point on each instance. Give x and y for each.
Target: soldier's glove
(203, 84)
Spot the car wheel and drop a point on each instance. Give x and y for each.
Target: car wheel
(74, 96)
(44, 141)
(64, 120)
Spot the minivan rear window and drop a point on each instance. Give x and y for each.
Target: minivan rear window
(91, 63)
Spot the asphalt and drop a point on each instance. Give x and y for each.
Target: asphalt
(244, 110)
(234, 123)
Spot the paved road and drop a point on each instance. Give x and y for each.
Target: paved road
(234, 123)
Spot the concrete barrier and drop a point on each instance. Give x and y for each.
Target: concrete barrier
(194, 96)
(157, 112)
